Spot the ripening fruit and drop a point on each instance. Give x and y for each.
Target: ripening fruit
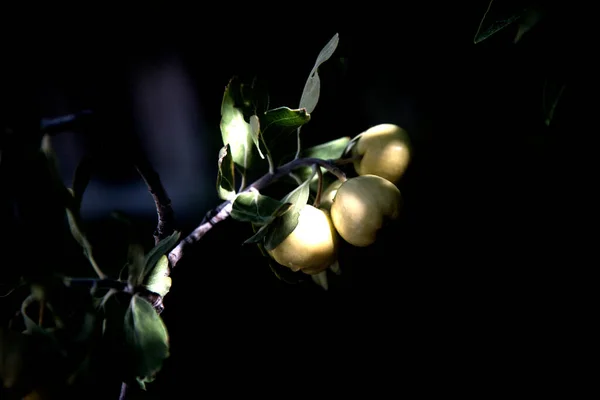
(312, 246)
(361, 207)
(382, 150)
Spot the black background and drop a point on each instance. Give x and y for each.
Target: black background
(492, 196)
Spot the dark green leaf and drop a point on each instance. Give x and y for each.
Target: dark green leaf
(331, 150)
(30, 324)
(497, 17)
(135, 263)
(81, 178)
(284, 117)
(255, 97)
(161, 248)
(553, 91)
(285, 224)
(226, 174)
(146, 337)
(235, 131)
(158, 280)
(310, 94)
(255, 208)
(76, 227)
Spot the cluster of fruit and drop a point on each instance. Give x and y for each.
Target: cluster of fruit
(355, 209)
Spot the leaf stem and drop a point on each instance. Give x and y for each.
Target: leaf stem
(222, 212)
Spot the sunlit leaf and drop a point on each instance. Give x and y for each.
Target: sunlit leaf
(235, 131)
(161, 248)
(498, 16)
(283, 225)
(146, 337)
(310, 94)
(226, 174)
(256, 208)
(255, 129)
(158, 279)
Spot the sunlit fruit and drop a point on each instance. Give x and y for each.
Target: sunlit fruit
(312, 245)
(383, 150)
(361, 207)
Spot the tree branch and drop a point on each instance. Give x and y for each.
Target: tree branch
(222, 212)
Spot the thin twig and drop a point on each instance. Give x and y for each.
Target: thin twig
(166, 217)
(223, 211)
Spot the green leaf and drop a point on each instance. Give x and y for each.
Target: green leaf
(277, 126)
(30, 324)
(284, 117)
(81, 178)
(498, 17)
(553, 92)
(146, 337)
(255, 129)
(161, 248)
(255, 97)
(135, 263)
(285, 224)
(76, 227)
(331, 150)
(310, 94)
(256, 208)
(158, 280)
(226, 174)
(235, 131)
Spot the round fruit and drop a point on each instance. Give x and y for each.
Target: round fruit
(312, 246)
(328, 194)
(361, 207)
(382, 150)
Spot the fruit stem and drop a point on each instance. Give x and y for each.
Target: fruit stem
(317, 201)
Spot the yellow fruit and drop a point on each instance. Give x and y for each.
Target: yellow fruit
(328, 194)
(384, 150)
(312, 246)
(361, 207)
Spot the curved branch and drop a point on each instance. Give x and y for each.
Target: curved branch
(223, 211)
(166, 216)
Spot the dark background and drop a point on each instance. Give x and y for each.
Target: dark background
(491, 198)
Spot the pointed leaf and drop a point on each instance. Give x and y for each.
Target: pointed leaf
(282, 226)
(310, 94)
(135, 263)
(255, 208)
(146, 337)
(158, 280)
(81, 178)
(331, 150)
(496, 18)
(255, 128)
(284, 117)
(553, 91)
(161, 248)
(226, 174)
(235, 131)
